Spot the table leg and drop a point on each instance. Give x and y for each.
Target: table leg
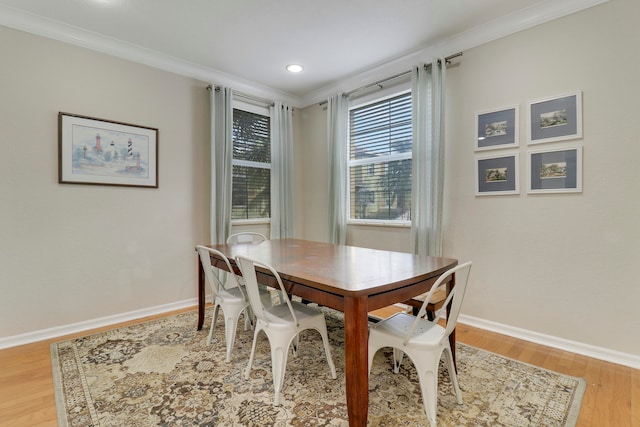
(452, 336)
(356, 334)
(201, 295)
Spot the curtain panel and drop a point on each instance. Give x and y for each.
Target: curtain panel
(282, 172)
(337, 144)
(428, 158)
(221, 158)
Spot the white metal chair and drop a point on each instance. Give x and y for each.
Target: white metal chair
(282, 323)
(246, 237)
(229, 296)
(424, 341)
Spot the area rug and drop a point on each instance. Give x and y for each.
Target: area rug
(162, 373)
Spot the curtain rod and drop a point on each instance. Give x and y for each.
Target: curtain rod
(447, 60)
(245, 95)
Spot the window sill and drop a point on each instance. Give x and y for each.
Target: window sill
(257, 221)
(380, 224)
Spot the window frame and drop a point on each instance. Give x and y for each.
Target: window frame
(262, 110)
(372, 98)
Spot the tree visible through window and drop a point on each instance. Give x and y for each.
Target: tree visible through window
(380, 135)
(251, 192)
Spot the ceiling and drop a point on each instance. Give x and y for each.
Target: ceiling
(248, 43)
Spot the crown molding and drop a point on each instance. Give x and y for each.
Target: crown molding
(20, 20)
(538, 14)
(535, 15)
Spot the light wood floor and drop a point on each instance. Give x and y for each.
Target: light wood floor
(612, 397)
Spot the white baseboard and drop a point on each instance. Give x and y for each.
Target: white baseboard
(73, 328)
(600, 353)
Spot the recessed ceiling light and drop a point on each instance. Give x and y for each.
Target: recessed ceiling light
(294, 68)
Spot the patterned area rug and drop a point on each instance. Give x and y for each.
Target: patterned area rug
(162, 373)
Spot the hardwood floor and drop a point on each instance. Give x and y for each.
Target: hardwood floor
(612, 397)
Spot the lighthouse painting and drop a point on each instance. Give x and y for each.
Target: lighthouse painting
(96, 151)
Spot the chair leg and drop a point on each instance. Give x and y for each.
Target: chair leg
(429, 387)
(295, 344)
(327, 350)
(230, 326)
(247, 371)
(397, 360)
(248, 318)
(371, 352)
(448, 358)
(279, 353)
(213, 323)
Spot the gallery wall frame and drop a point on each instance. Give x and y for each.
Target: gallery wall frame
(497, 175)
(497, 128)
(106, 152)
(557, 170)
(553, 119)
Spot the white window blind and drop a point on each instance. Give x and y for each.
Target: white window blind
(380, 136)
(251, 192)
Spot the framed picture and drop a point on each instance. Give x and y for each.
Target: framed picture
(555, 119)
(497, 128)
(555, 171)
(497, 175)
(104, 152)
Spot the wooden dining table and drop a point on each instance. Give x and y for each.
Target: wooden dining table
(353, 280)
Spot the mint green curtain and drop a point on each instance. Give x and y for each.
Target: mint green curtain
(221, 158)
(337, 110)
(281, 171)
(428, 158)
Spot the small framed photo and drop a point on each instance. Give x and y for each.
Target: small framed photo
(497, 128)
(497, 175)
(555, 171)
(105, 152)
(555, 119)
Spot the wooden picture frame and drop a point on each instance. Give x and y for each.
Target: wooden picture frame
(105, 152)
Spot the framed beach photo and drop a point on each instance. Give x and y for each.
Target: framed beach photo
(497, 128)
(555, 119)
(497, 175)
(555, 171)
(105, 152)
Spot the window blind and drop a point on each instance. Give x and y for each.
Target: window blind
(380, 138)
(251, 187)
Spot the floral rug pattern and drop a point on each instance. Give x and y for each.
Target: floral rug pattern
(162, 373)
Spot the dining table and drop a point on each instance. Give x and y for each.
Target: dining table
(353, 280)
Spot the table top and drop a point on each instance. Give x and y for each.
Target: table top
(341, 269)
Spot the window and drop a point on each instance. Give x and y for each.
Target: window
(380, 135)
(251, 189)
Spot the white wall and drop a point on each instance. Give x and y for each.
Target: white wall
(562, 265)
(558, 265)
(73, 253)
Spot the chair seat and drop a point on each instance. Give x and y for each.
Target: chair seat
(232, 294)
(434, 304)
(280, 314)
(395, 328)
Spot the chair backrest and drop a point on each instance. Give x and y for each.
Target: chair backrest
(455, 297)
(248, 269)
(214, 280)
(246, 237)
